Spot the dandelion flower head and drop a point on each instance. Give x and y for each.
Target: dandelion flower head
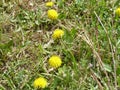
(117, 12)
(49, 4)
(58, 33)
(52, 14)
(40, 83)
(55, 61)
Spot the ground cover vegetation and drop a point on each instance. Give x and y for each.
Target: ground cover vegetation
(60, 45)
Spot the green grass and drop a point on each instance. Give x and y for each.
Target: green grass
(90, 48)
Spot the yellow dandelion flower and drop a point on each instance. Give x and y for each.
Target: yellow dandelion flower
(40, 83)
(58, 33)
(55, 61)
(52, 14)
(49, 4)
(117, 12)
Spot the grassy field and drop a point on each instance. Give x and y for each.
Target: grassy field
(89, 48)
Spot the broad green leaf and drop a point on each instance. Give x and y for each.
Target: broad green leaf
(107, 67)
